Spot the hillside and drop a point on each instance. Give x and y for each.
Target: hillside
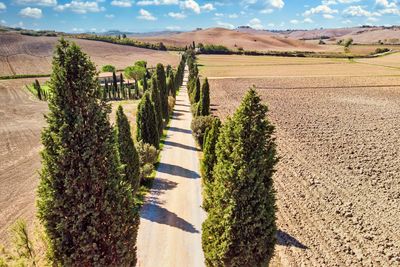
(22, 54)
(233, 39)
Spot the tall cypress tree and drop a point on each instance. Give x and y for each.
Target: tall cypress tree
(170, 87)
(209, 160)
(146, 122)
(204, 104)
(115, 85)
(121, 85)
(127, 151)
(240, 228)
(84, 204)
(162, 88)
(196, 92)
(155, 98)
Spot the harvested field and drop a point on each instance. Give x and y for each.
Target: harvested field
(21, 54)
(265, 66)
(337, 180)
(21, 122)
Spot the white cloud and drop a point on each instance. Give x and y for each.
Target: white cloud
(294, 21)
(308, 20)
(109, 16)
(2, 6)
(78, 30)
(208, 7)
(328, 16)
(266, 11)
(37, 2)
(192, 5)
(385, 3)
(121, 3)
(358, 11)
(146, 15)
(157, 2)
(372, 19)
(29, 12)
(219, 14)
(347, 21)
(177, 15)
(225, 25)
(321, 9)
(233, 16)
(255, 24)
(80, 7)
(277, 3)
(3, 22)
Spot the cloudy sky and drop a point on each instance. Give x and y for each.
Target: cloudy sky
(156, 15)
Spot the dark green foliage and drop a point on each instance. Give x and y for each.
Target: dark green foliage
(240, 228)
(155, 98)
(108, 68)
(199, 127)
(204, 103)
(121, 85)
(115, 86)
(84, 203)
(38, 89)
(209, 160)
(146, 122)
(170, 87)
(127, 151)
(162, 88)
(144, 84)
(196, 92)
(214, 49)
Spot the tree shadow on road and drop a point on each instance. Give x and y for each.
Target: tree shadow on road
(177, 171)
(284, 239)
(170, 143)
(155, 213)
(159, 187)
(175, 129)
(182, 105)
(181, 110)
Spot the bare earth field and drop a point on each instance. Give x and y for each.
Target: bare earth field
(21, 122)
(337, 181)
(21, 54)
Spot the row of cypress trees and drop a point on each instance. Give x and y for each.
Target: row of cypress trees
(153, 112)
(90, 174)
(238, 194)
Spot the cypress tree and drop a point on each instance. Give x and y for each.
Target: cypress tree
(144, 84)
(196, 92)
(121, 85)
(115, 85)
(209, 160)
(84, 204)
(105, 91)
(204, 104)
(146, 122)
(240, 228)
(126, 148)
(36, 85)
(162, 88)
(109, 90)
(170, 87)
(155, 98)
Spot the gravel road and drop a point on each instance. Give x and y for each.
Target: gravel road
(170, 225)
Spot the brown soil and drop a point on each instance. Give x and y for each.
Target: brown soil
(337, 180)
(21, 54)
(21, 121)
(234, 39)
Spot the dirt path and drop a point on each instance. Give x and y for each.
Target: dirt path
(170, 226)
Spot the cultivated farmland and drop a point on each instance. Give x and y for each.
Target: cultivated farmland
(336, 128)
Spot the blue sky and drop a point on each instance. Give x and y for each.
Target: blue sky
(156, 15)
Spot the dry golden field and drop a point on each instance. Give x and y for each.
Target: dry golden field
(22, 54)
(337, 181)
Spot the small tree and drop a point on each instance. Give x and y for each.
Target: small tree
(196, 92)
(127, 151)
(115, 86)
(84, 203)
(240, 228)
(108, 68)
(162, 87)
(121, 85)
(36, 85)
(204, 104)
(155, 98)
(170, 87)
(146, 122)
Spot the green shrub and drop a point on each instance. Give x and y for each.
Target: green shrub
(146, 122)
(148, 156)
(199, 127)
(108, 68)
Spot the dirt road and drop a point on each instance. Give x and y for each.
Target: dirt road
(170, 226)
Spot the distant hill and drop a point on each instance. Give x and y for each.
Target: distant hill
(137, 34)
(247, 39)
